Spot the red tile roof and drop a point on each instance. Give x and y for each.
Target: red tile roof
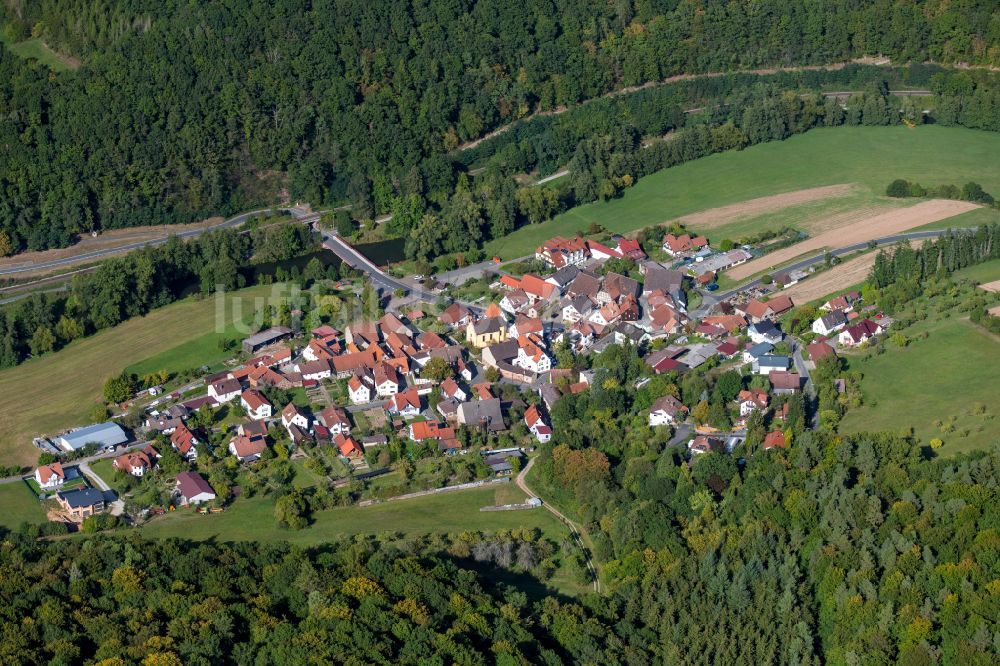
(46, 472)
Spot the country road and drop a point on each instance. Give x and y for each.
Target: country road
(574, 530)
(710, 299)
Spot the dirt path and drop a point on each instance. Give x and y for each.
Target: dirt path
(715, 217)
(880, 226)
(578, 534)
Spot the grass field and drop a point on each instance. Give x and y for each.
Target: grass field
(869, 157)
(931, 380)
(19, 506)
(981, 273)
(253, 519)
(37, 49)
(59, 390)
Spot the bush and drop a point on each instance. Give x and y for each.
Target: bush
(898, 188)
(936, 443)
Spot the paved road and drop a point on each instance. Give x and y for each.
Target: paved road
(380, 278)
(710, 299)
(100, 254)
(574, 530)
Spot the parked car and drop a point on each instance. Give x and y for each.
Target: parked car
(712, 287)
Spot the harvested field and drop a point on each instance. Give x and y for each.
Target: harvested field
(880, 226)
(838, 278)
(831, 280)
(715, 217)
(991, 286)
(995, 311)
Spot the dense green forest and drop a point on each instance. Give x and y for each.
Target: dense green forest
(130, 601)
(183, 110)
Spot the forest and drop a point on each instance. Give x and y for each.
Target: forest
(185, 110)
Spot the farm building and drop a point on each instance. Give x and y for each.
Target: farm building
(266, 337)
(105, 435)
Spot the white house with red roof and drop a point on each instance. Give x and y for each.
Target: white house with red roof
(50, 477)
(531, 356)
(291, 414)
(360, 389)
(559, 251)
(751, 400)
(451, 389)
(667, 411)
(537, 425)
(386, 380)
(256, 405)
(405, 403)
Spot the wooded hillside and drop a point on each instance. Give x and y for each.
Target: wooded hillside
(183, 110)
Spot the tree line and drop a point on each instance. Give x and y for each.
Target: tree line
(184, 111)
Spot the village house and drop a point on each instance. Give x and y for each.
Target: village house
(451, 389)
(405, 404)
(751, 400)
(819, 350)
(386, 380)
(137, 463)
(455, 315)
(162, 423)
(562, 277)
(81, 503)
(526, 326)
(784, 383)
(315, 370)
(764, 331)
(184, 441)
(485, 414)
(359, 389)
(667, 410)
(844, 303)
(559, 251)
(680, 245)
(775, 439)
(531, 356)
(753, 353)
(335, 420)
(600, 251)
(224, 390)
(292, 415)
(247, 449)
(256, 405)
(704, 444)
(628, 247)
(536, 424)
(192, 488)
(348, 447)
(51, 476)
(576, 308)
(765, 365)
(859, 333)
(758, 311)
(830, 322)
